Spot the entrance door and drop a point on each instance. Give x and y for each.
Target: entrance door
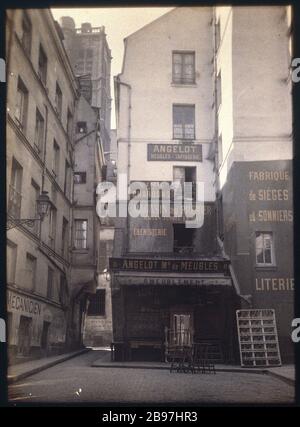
(182, 327)
(44, 339)
(24, 335)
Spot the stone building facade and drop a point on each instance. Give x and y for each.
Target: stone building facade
(47, 289)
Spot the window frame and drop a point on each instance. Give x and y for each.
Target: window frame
(77, 239)
(50, 284)
(56, 158)
(27, 32)
(39, 132)
(183, 77)
(42, 66)
(21, 118)
(33, 259)
(58, 100)
(82, 174)
(13, 261)
(272, 249)
(183, 138)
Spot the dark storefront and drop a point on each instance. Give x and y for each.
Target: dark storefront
(153, 310)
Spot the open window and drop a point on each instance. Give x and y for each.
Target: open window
(183, 239)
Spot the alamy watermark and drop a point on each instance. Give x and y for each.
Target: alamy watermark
(153, 199)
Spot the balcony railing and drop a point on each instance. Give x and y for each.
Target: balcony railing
(14, 202)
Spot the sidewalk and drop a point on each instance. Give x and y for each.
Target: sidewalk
(23, 370)
(285, 373)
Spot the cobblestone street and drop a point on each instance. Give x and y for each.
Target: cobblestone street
(76, 381)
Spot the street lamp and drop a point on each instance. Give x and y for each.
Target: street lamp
(43, 206)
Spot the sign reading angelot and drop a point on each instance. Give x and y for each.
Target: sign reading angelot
(187, 152)
(160, 265)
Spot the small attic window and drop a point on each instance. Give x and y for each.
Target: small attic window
(81, 127)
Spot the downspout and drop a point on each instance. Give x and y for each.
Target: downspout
(44, 166)
(129, 88)
(216, 159)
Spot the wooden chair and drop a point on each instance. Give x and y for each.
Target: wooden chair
(202, 362)
(181, 358)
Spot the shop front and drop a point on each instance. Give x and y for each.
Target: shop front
(155, 311)
(35, 327)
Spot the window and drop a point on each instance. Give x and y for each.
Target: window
(97, 304)
(80, 234)
(63, 290)
(183, 239)
(42, 67)
(69, 124)
(26, 33)
(15, 188)
(184, 67)
(21, 104)
(67, 186)
(219, 91)
(65, 238)
(185, 174)
(35, 192)
(183, 121)
(52, 227)
(50, 282)
(81, 127)
(58, 100)
(80, 177)
(39, 132)
(264, 249)
(30, 271)
(55, 160)
(11, 258)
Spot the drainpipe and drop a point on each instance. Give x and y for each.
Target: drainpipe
(44, 165)
(129, 88)
(214, 23)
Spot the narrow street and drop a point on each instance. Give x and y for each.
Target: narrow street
(76, 381)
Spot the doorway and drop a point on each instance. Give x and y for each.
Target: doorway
(24, 336)
(44, 338)
(181, 328)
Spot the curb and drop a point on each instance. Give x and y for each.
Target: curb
(14, 378)
(287, 380)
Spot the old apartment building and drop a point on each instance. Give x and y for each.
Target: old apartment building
(209, 108)
(90, 58)
(52, 247)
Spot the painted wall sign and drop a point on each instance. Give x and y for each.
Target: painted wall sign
(274, 284)
(275, 194)
(187, 152)
(161, 265)
(150, 232)
(23, 304)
